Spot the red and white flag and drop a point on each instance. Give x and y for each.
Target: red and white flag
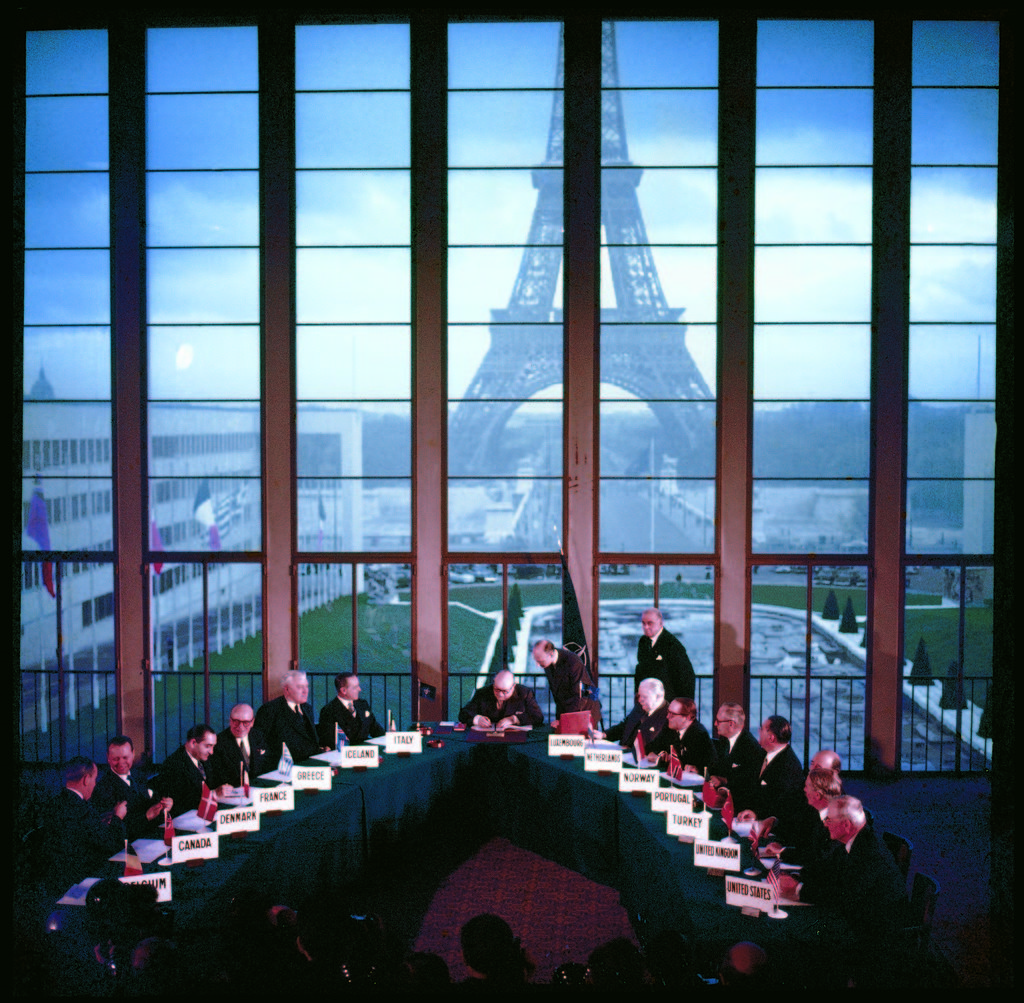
(675, 768)
(132, 864)
(728, 811)
(168, 828)
(207, 809)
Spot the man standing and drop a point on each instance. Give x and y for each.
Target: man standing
(78, 838)
(738, 755)
(565, 672)
(119, 784)
(660, 655)
(289, 719)
(183, 773)
(690, 739)
(349, 713)
(239, 747)
(504, 704)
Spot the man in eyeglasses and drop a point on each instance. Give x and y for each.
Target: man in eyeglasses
(241, 754)
(503, 704)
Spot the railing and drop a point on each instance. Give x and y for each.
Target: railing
(935, 737)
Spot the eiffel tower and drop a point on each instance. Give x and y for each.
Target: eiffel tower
(650, 362)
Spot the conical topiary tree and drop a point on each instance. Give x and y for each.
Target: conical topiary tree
(921, 671)
(948, 700)
(831, 610)
(515, 613)
(985, 724)
(848, 625)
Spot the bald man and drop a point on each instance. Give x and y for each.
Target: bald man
(241, 750)
(661, 655)
(503, 704)
(826, 759)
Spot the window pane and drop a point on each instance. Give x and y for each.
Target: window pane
(209, 131)
(65, 62)
(955, 127)
(351, 56)
(67, 287)
(678, 436)
(805, 517)
(67, 210)
(956, 52)
(202, 209)
(809, 361)
(479, 55)
(953, 361)
(67, 363)
(197, 286)
(813, 127)
(353, 286)
(494, 207)
(353, 440)
(815, 53)
(357, 513)
(352, 130)
(649, 54)
(667, 128)
(953, 205)
(814, 206)
(952, 283)
(498, 129)
(649, 515)
(523, 513)
(828, 439)
(201, 59)
(66, 134)
(352, 363)
(204, 363)
(812, 284)
(337, 208)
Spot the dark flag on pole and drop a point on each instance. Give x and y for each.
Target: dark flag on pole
(573, 635)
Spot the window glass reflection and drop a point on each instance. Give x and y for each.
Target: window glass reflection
(202, 209)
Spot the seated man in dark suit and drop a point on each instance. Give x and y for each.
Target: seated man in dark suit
(504, 704)
(183, 773)
(241, 751)
(78, 839)
(779, 792)
(145, 810)
(802, 837)
(738, 754)
(289, 720)
(346, 711)
(863, 885)
(647, 719)
(684, 733)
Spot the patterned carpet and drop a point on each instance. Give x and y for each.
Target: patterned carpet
(559, 915)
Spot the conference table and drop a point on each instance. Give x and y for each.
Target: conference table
(541, 803)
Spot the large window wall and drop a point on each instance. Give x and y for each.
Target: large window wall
(502, 288)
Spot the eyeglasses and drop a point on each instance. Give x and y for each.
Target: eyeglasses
(236, 720)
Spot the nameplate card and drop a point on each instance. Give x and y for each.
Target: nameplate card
(665, 798)
(161, 882)
(716, 856)
(686, 825)
(602, 760)
(749, 894)
(359, 757)
(274, 798)
(317, 778)
(195, 846)
(238, 820)
(638, 780)
(567, 745)
(403, 741)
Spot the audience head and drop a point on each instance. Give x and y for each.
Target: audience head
(845, 818)
(492, 951)
(617, 963)
(744, 964)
